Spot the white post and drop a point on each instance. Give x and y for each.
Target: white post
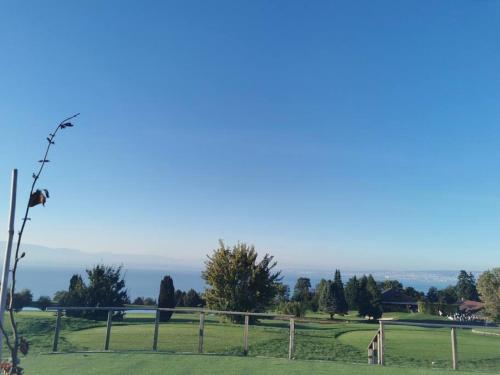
(6, 261)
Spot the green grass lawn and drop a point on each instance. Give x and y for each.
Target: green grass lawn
(159, 364)
(341, 341)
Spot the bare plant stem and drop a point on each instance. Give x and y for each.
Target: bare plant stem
(14, 346)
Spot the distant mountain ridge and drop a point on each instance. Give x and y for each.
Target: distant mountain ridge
(44, 256)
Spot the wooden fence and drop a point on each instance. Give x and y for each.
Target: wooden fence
(376, 348)
(201, 332)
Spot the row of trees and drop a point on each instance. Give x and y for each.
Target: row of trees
(331, 297)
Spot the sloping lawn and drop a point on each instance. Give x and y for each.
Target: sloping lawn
(160, 364)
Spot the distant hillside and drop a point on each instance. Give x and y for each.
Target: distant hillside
(43, 256)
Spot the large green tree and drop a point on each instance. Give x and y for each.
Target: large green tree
(488, 286)
(466, 286)
(375, 310)
(340, 299)
(76, 295)
(327, 299)
(166, 298)
(106, 288)
(238, 281)
(193, 299)
(302, 290)
(352, 293)
(432, 295)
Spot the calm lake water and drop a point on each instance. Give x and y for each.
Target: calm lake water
(145, 282)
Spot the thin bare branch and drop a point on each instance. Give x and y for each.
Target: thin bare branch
(15, 347)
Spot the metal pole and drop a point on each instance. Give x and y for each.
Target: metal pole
(245, 335)
(200, 332)
(108, 329)
(291, 340)
(56, 333)
(6, 261)
(381, 354)
(454, 358)
(155, 335)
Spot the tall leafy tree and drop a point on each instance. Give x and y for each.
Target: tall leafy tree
(352, 293)
(488, 285)
(179, 298)
(282, 294)
(391, 284)
(237, 281)
(193, 299)
(106, 288)
(327, 301)
(432, 295)
(322, 293)
(466, 286)
(302, 290)
(448, 295)
(364, 297)
(375, 309)
(76, 295)
(340, 299)
(166, 298)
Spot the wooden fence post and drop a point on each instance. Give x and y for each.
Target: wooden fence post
(454, 348)
(108, 329)
(245, 335)
(291, 343)
(200, 332)
(381, 353)
(378, 349)
(56, 333)
(155, 336)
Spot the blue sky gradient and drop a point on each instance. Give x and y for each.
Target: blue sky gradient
(336, 134)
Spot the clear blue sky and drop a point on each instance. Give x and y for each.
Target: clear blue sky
(355, 134)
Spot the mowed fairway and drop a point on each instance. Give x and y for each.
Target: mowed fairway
(159, 364)
(342, 342)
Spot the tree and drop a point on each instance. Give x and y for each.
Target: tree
(282, 294)
(148, 301)
(238, 282)
(432, 295)
(412, 292)
(76, 295)
(179, 298)
(22, 299)
(340, 300)
(106, 288)
(488, 286)
(138, 301)
(448, 295)
(375, 310)
(59, 297)
(43, 302)
(193, 299)
(166, 298)
(297, 309)
(369, 298)
(391, 284)
(364, 297)
(466, 287)
(352, 293)
(301, 291)
(327, 300)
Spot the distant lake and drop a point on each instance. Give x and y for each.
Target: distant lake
(145, 282)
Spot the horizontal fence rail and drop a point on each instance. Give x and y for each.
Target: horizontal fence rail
(201, 332)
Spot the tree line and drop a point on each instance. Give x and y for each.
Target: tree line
(238, 280)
